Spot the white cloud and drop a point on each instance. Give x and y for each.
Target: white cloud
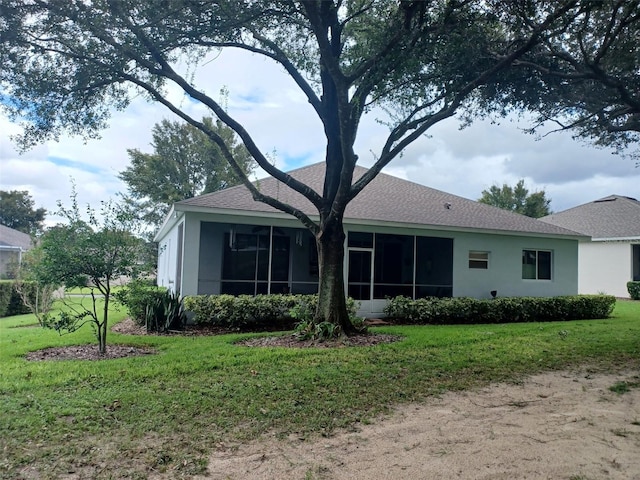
(278, 116)
(465, 162)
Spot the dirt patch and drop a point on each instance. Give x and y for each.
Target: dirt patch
(129, 327)
(564, 425)
(87, 352)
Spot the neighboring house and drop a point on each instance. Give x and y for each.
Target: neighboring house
(13, 244)
(402, 239)
(612, 258)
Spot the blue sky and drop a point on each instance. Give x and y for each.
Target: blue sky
(77, 165)
(260, 96)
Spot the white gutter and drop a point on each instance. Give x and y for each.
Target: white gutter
(616, 239)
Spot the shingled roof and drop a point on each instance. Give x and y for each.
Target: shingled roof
(10, 237)
(610, 217)
(386, 199)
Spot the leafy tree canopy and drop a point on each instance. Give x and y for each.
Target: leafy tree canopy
(184, 163)
(68, 64)
(17, 211)
(517, 199)
(587, 80)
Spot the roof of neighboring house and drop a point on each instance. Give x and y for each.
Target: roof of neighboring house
(14, 238)
(610, 217)
(386, 199)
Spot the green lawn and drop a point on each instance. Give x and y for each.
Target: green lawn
(87, 290)
(168, 411)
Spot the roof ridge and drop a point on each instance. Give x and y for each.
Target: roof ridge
(613, 216)
(613, 197)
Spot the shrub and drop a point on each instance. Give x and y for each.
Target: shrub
(136, 296)
(260, 312)
(634, 290)
(38, 298)
(165, 313)
(305, 329)
(156, 308)
(10, 301)
(242, 312)
(463, 310)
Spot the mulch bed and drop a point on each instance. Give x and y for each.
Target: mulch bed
(363, 340)
(87, 352)
(129, 327)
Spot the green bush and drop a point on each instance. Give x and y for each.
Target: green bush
(443, 311)
(305, 329)
(248, 312)
(10, 301)
(136, 296)
(242, 312)
(165, 313)
(634, 290)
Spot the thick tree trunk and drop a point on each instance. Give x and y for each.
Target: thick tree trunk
(332, 305)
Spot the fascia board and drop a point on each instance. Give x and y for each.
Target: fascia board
(167, 224)
(375, 223)
(449, 228)
(617, 239)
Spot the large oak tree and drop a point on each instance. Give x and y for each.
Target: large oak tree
(68, 64)
(587, 80)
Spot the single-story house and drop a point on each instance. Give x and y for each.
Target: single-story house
(612, 257)
(13, 244)
(402, 239)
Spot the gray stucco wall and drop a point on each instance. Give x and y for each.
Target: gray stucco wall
(202, 261)
(167, 256)
(505, 266)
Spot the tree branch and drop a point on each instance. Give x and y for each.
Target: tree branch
(218, 140)
(167, 72)
(391, 150)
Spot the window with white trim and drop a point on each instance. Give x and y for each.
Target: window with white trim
(536, 264)
(479, 260)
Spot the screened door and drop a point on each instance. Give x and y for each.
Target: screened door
(359, 279)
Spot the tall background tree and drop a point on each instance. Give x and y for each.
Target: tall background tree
(184, 163)
(17, 211)
(517, 199)
(66, 65)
